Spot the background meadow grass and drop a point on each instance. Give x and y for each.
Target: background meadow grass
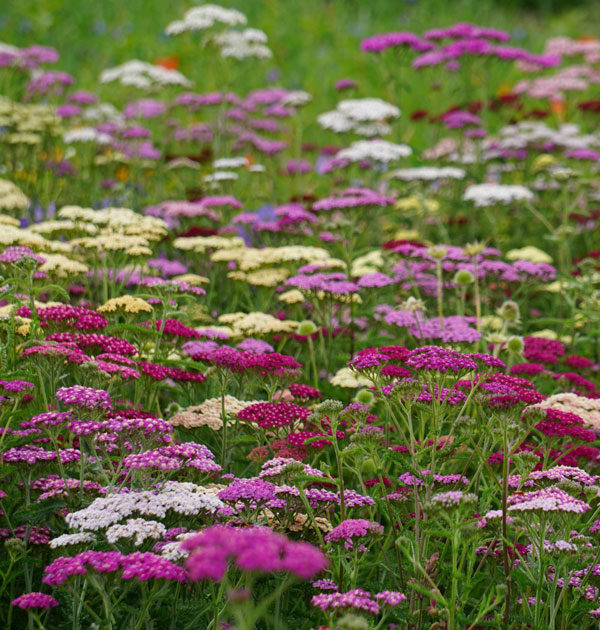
(314, 42)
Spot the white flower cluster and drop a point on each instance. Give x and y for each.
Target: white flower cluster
(233, 162)
(181, 497)
(428, 173)
(220, 176)
(173, 551)
(86, 134)
(104, 112)
(205, 16)
(72, 539)
(365, 116)
(139, 528)
(490, 194)
(296, 98)
(527, 133)
(377, 150)
(12, 197)
(143, 75)
(250, 42)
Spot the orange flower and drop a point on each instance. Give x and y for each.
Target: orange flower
(587, 38)
(122, 173)
(558, 107)
(170, 63)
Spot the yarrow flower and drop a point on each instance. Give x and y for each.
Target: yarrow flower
(357, 600)
(352, 528)
(257, 549)
(140, 566)
(274, 414)
(78, 395)
(31, 601)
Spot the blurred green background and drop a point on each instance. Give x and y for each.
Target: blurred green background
(314, 42)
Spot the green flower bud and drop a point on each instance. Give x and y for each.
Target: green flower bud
(368, 466)
(365, 397)
(15, 546)
(352, 622)
(306, 328)
(515, 345)
(509, 311)
(463, 277)
(437, 252)
(472, 249)
(525, 462)
(330, 407)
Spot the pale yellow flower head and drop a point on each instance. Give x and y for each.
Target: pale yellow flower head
(255, 324)
(533, 254)
(127, 304)
(293, 296)
(192, 278)
(61, 266)
(345, 377)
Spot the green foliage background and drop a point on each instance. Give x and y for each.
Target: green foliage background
(314, 42)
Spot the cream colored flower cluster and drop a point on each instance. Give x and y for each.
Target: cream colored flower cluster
(201, 244)
(588, 409)
(208, 413)
(192, 278)
(12, 197)
(256, 324)
(56, 263)
(269, 277)
(371, 262)
(61, 266)
(127, 304)
(251, 258)
(26, 122)
(294, 296)
(112, 229)
(345, 377)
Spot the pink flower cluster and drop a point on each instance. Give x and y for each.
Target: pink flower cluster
(139, 566)
(274, 414)
(256, 549)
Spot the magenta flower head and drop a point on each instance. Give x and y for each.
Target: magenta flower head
(271, 414)
(440, 359)
(87, 397)
(29, 601)
(351, 529)
(17, 252)
(139, 566)
(256, 549)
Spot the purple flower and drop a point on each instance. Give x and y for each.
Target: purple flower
(256, 549)
(84, 397)
(353, 528)
(29, 601)
(140, 566)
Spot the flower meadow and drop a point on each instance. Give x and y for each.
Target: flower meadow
(278, 359)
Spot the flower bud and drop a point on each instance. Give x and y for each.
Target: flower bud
(463, 277)
(413, 305)
(330, 406)
(437, 252)
(472, 249)
(509, 311)
(365, 397)
(368, 466)
(306, 328)
(515, 345)
(352, 622)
